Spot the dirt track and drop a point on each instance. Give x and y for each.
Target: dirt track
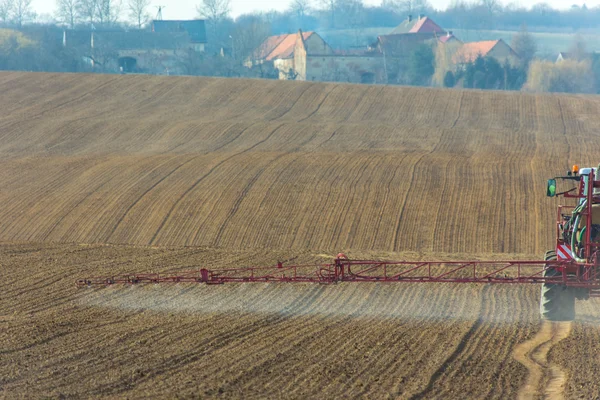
(252, 172)
(544, 379)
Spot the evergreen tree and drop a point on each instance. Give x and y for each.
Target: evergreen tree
(449, 79)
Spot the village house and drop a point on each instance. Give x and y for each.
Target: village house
(195, 28)
(397, 47)
(306, 56)
(497, 49)
(281, 52)
(594, 57)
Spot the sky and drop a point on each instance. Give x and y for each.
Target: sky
(186, 9)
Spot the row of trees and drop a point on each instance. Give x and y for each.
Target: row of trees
(17, 11)
(37, 49)
(101, 12)
(568, 76)
(325, 14)
(461, 14)
(104, 13)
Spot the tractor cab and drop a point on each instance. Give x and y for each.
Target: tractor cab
(578, 227)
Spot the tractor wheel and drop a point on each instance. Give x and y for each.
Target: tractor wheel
(582, 293)
(550, 255)
(557, 301)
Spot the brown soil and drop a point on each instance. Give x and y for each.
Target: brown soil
(252, 340)
(578, 355)
(238, 164)
(251, 172)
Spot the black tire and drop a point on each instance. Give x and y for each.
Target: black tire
(582, 293)
(557, 302)
(550, 255)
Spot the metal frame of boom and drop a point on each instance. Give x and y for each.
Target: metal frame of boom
(344, 270)
(573, 274)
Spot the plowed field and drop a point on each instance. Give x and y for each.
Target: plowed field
(245, 164)
(108, 174)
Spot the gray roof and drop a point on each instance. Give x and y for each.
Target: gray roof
(195, 28)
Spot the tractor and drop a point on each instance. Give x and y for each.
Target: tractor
(576, 257)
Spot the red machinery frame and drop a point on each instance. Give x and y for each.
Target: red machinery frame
(344, 270)
(573, 274)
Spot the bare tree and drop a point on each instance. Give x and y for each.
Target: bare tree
(138, 11)
(214, 11)
(68, 12)
(300, 8)
(541, 8)
(352, 13)
(408, 7)
(570, 76)
(577, 49)
(249, 36)
(492, 6)
(330, 6)
(525, 45)
(6, 7)
(88, 10)
(108, 11)
(22, 11)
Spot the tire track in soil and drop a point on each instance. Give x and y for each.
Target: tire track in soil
(72, 100)
(243, 195)
(148, 190)
(210, 171)
(533, 354)
(243, 331)
(464, 341)
(320, 104)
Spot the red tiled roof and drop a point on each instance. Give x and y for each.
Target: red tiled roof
(470, 51)
(426, 25)
(277, 47)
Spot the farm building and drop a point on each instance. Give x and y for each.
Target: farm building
(497, 49)
(196, 30)
(161, 50)
(562, 56)
(396, 51)
(281, 51)
(306, 56)
(397, 47)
